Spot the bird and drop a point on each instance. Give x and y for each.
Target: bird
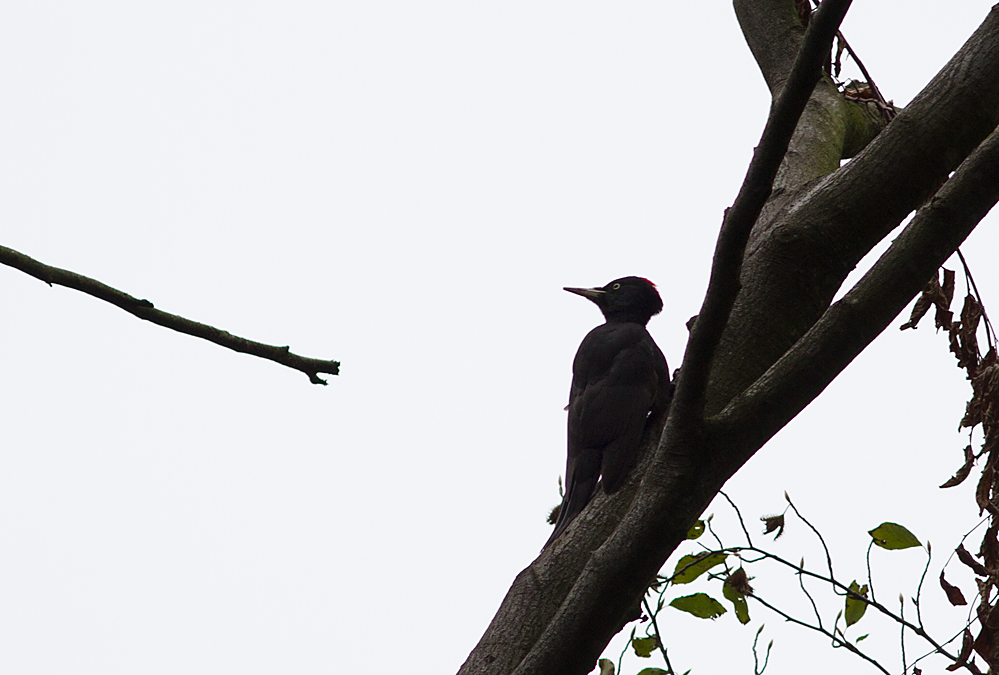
(620, 380)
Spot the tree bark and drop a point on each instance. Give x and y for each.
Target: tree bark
(779, 341)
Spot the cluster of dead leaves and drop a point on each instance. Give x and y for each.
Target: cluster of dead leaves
(982, 409)
(983, 372)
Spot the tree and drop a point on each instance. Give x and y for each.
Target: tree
(769, 337)
(276, 169)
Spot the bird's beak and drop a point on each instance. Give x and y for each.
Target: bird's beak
(593, 294)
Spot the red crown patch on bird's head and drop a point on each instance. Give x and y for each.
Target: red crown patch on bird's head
(648, 281)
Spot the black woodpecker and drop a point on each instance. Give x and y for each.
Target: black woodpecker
(619, 377)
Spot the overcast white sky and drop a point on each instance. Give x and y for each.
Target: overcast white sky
(405, 187)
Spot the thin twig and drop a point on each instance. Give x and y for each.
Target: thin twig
(989, 332)
(853, 594)
(817, 534)
(145, 310)
(801, 582)
(659, 642)
(707, 523)
(756, 659)
(836, 640)
(870, 580)
(738, 513)
(886, 110)
(696, 561)
(919, 589)
(621, 657)
(964, 539)
(901, 613)
(970, 665)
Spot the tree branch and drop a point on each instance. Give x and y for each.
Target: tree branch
(145, 310)
(868, 308)
(831, 128)
(773, 32)
(724, 284)
(791, 274)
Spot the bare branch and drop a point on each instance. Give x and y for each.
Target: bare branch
(799, 256)
(852, 323)
(724, 285)
(145, 310)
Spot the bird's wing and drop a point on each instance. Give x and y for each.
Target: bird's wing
(616, 376)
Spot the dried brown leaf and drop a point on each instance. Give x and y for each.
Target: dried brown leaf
(739, 581)
(984, 488)
(964, 338)
(923, 304)
(985, 385)
(965, 556)
(944, 316)
(966, 645)
(972, 413)
(986, 642)
(964, 471)
(954, 594)
(934, 293)
(772, 523)
(989, 551)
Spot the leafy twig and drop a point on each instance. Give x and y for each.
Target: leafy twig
(836, 639)
(847, 592)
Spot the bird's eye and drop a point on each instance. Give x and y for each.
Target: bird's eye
(615, 287)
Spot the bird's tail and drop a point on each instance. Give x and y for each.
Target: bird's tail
(577, 496)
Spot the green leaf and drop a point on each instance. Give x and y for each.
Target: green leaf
(855, 607)
(692, 566)
(700, 605)
(652, 671)
(862, 637)
(893, 537)
(738, 600)
(644, 646)
(696, 531)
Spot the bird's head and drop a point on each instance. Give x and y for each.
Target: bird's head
(627, 299)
